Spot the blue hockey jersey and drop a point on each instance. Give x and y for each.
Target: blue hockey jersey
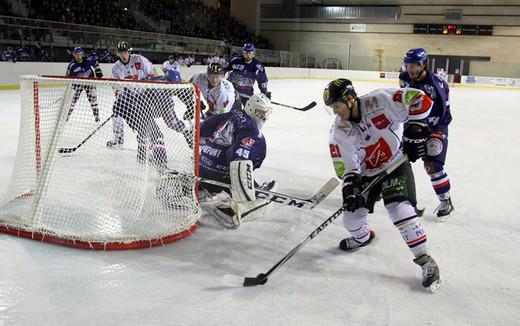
(85, 68)
(437, 89)
(243, 75)
(229, 137)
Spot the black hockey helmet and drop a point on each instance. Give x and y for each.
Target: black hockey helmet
(215, 68)
(123, 46)
(338, 90)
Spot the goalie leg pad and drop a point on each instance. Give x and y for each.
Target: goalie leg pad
(227, 213)
(242, 181)
(231, 213)
(259, 208)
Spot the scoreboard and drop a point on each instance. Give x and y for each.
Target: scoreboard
(453, 29)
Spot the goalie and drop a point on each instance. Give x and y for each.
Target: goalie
(232, 145)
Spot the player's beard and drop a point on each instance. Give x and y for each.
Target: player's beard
(416, 75)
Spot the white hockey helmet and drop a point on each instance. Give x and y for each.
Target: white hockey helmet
(258, 107)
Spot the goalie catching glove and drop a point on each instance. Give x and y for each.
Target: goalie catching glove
(352, 198)
(415, 137)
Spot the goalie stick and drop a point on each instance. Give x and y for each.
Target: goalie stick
(73, 149)
(261, 278)
(276, 197)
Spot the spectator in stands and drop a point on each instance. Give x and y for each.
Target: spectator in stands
(185, 18)
(9, 55)
(98, 13)
(94, 55)
(3, 28)
(39, 53)
(107, 56)
(23, 53)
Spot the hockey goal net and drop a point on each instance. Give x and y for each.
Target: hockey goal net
(69, 187)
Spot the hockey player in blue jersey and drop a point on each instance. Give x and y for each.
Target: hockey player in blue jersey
(233, 136)
(9, 55)
(140, 109)
(82, 67)
(418, 76)
(244, 71)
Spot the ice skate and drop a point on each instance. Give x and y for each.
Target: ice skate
(419, 211)
(350, 243)
(431, 278)
(115, 143)
(445, 208)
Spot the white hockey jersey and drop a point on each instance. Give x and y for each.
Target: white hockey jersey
(175, 66)
(138, 68)
(374, 143)
(220, 98)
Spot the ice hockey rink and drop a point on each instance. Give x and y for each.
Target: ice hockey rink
(189, 282)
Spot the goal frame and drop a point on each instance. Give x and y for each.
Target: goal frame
(50, 237)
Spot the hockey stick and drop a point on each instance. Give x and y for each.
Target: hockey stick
(261, 278)
(73, 149)
(305, 108)
(276, 197)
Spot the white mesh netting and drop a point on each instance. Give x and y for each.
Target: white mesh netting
(69, 186)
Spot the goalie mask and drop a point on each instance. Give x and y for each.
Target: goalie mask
(258, 107)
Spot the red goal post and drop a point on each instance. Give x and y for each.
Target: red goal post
(98, 197)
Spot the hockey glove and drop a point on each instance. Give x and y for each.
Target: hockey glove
(415, 137)
(352, 198)
(268, 95)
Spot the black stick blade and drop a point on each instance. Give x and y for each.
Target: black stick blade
(261, 279)
(66, 150)
(308, 107)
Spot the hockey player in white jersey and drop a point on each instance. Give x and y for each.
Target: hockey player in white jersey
(129, 66)
(218, 92)
(172, 67)
(364, 140)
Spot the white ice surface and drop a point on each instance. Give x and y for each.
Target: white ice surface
(190, 282)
